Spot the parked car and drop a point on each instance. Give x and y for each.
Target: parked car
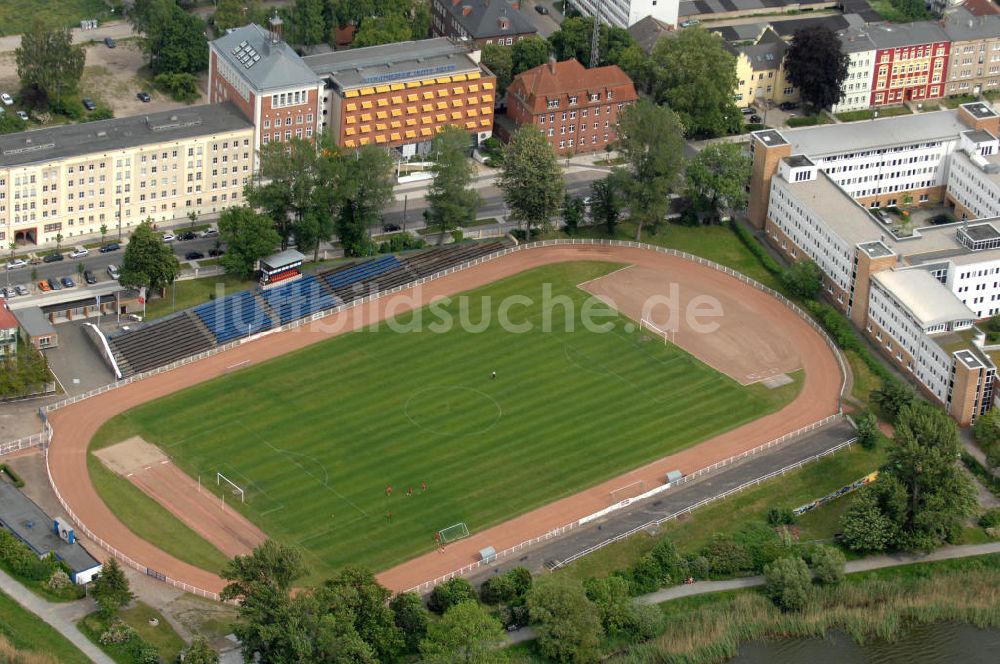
(541, 10)
(108, 248)
(22, 115)
(187, 235)
(88, 103)
(89, 277)
(211, 231)
(17, 264)
(9, 292)
(44, 286)
(690, 23)
(193, 255)
(215, 253)
(67, 282)
(748, 110)
(587, 200)
(755, 119)
(6, 99)
(390, 228)
(169, 237)
(53, 258)
(788, 105)
(113, 271)
(79, 252)
(143, 97)
(109, 42)
(21, 289)
(54, 284)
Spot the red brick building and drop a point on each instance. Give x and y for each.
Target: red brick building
(911, 62)
(575, 107)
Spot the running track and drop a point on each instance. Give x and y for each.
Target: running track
(76, 424)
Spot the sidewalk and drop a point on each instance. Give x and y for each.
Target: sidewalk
(62, 617)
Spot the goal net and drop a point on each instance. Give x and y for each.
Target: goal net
(655, 329)
(632, 490)
(221, 479)
(452, 533)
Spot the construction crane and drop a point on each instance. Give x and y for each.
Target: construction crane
(595, 38)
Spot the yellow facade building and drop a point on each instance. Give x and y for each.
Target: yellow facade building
(760, 72)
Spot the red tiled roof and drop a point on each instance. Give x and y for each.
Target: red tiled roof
(557, 80)
(981, 7)
(7, 320)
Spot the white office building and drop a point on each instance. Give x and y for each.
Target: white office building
(857, 87)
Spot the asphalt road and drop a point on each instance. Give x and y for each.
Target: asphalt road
(545, 554)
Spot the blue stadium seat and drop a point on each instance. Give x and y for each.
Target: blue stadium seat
(361, 272)
(233, 316)
(299, 299)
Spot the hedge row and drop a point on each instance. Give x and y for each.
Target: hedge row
(14, 477)
(756, 248)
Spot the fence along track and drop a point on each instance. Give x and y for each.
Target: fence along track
(45, 438)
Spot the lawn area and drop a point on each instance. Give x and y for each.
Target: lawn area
(16, 15)
(864, 379)
(868, 114)
(958, 100)
(27, 632)
(794, 489)
(808, 120)
(191, 292)
(888, 12)
(167, 642)
(569, 408)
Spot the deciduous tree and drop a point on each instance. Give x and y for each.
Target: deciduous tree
(529, 53)
(387, 29)
(451, 201)
(651, 141)
(573, 212)
(367, 189)
(499, 60)
(531, 180)
(803, 279)
(717, 179)
(249, 236)
(173, 39)
(816, 65)
(605, 203)
(147, 262)
(465, 633)
(574, 36)
(411, 618)
(828, 564)
(789, 583)
(567, 623)
(200, 652)
(48, 61)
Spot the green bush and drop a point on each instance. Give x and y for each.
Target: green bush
(789, 583)
(806, 121)
(71, 108)
(14, 477)
(497, 589)
(756, 248)
(990, 518)
(828, 564)
(803, 279)
(450, 593)
(780, 516)
(181, 87)
(398, 242)
(100, 113)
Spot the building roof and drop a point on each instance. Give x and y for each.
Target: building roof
(855, 40)
(53, 143)
(282, 258)
(766, 54)
(882, 132)
(397, 62)
(24, 518)
(485, 19)
(981, 7)
(928, 300)
(963, 25)
(265, 64)
(7, 320)
(555, 80)
(897, 35)
(703, 7)
(646, 32)
(740, 33)
(34, 322)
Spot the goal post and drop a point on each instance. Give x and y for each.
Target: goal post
(452, 533)
(632, 490)
(668, 335)
(237, 491)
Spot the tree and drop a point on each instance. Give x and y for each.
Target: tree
(451, 592)
(530, 179)
(864, 527)
(867, 425)
(912, 10)
(11, 124)
(307, 19)
(111, 590)
(249, 236)
(528, 53)
(367, 189)
(451, 202)
(228, 14)
(286, 185)
(717, 179)
(828, 564)
(499, 60)
(695, 75)
(48, 61)
(147, 262)
(181, 86)
(410, 617)
(803, 279)
(200, 652)
(573, 212)
(104, 232)
(567, 623)
(816, 65)
(612, 598)
(789, 583)
(573, 40)
(651, 141)
(986, 432)
(356, 598)
(174, 40)
(892, 396)
(387, 29)
(605, 204)
(466, 633)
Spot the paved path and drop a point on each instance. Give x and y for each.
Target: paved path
(62, 617)
(113, 29)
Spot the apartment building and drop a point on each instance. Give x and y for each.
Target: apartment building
(915, 292)
(760, 71)
(975, 52)
(8, 334)
(71, 180)
(481, 22)
(575, 107)
(624, 13)
(857, 87)
(258, 72)
(400, 95)
(910, 62)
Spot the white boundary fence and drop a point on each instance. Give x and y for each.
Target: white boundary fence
(46, 437)
(34, 440)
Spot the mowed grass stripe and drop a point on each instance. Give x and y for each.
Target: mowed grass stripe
(318, 434)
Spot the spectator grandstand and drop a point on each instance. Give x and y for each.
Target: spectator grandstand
(233, 316)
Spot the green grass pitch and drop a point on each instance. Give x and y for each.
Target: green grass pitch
(316, 436)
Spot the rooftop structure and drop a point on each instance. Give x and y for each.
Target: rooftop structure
(481, 21)
(262, 58)
(926, 298)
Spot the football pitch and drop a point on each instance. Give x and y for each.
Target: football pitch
(316, 436)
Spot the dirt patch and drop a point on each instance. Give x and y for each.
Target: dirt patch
(722, 327)
(148, 468)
